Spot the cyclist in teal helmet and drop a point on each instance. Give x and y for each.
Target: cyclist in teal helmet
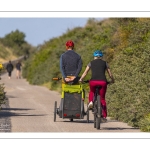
(98, 68)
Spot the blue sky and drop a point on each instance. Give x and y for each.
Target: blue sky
(39, 30)
(37, 20)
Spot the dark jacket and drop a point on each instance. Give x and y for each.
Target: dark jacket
(70, 64)
(9, 67)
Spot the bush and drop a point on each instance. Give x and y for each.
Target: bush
(2, 93)
(145, 123)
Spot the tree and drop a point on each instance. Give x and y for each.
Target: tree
(15, 37)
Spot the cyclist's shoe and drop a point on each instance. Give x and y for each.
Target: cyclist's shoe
(103, 120)
(90, 105)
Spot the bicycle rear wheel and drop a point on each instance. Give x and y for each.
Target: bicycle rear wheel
(98, 122)
(95, 112)
(99, 113)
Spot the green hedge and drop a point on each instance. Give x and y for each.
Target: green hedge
(2, 93)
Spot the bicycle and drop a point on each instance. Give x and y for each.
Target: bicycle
(97, 107)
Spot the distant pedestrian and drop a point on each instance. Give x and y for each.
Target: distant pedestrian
(9, 68)
(18, 68)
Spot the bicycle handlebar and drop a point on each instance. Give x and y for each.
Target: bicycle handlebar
(83, 82)
(56, 79)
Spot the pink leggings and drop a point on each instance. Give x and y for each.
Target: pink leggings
(102, 92)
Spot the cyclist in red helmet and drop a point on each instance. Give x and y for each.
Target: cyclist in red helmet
(98, 68)
(70, 63)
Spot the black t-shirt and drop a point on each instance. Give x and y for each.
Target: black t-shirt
(98, 68)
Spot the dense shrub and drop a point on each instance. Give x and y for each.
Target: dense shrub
(2, 93)
(145, 123)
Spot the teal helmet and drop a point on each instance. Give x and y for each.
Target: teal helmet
(97, 53)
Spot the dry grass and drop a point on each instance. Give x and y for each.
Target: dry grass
(6, 54)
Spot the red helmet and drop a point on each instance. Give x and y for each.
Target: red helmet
(69, 43)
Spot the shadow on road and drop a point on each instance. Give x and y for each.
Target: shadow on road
(104, 128)
(9, 96)
(9, 109)
(76, 121)
(119, 128)
(9, 114)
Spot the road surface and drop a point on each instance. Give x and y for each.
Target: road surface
(30, 108)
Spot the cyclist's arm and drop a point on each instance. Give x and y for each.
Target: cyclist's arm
(110, 74)
(85, 73)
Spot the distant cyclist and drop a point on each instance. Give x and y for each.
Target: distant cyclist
(98, 68)
(70, 63)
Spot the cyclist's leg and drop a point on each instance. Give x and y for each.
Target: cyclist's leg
(103, 89)
(92, 90)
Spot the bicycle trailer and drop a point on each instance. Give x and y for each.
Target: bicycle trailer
(72, 102)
